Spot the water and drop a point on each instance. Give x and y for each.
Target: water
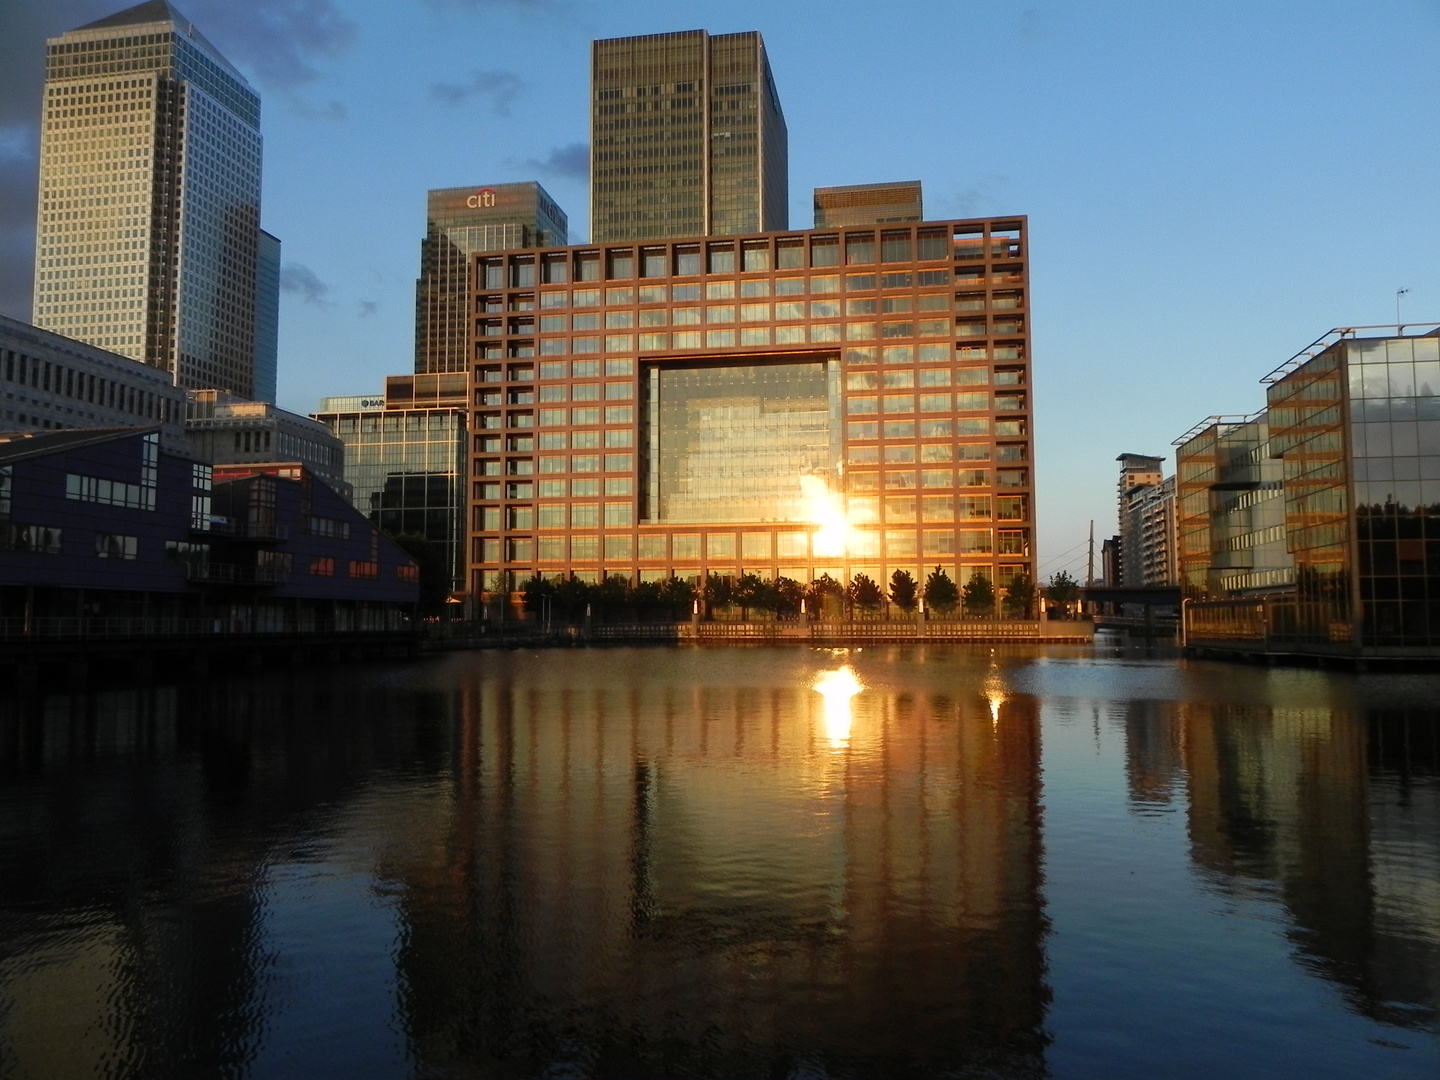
(691, 863)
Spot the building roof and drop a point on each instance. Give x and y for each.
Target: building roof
(151, 11)
(21, 445)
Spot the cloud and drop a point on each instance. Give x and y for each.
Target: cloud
(571, 161)
(278, 40)
(1036, 24)
(499, 88)
(332, 111)
(300, 279)
(368, 308)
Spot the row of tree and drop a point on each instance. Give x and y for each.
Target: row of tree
(569, 599)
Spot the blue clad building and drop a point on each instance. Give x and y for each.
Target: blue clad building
(106, 524)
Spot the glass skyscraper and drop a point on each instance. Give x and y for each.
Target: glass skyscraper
(459, 223)
(148, 231)
(267, 316)
(687, 138)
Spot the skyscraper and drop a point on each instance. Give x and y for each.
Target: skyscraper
(460, 222)
(687, 138)
(148, 225)
(267, 316)
(868, 204)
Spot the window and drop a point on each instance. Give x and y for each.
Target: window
(584, 515)
(617, 515)
(35, 539)
(322, 566)
(363, 570)
(115, 546)
(687, 260)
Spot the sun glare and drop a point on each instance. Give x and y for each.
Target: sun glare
(837, 688)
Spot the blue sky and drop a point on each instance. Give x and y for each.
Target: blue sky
(1209, 187)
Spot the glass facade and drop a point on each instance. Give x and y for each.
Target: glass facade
(1355, 423)
(687, 138)
(405, 459)
(868, 204)
(735, 443)
(149, 209)
(459, 223)
(1232, 511)
(267, 317)
(827, 401)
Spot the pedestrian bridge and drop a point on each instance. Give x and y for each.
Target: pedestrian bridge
(1147, 595)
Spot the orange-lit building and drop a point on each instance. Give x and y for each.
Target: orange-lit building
(791, 403)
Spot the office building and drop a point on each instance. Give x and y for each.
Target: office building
(793, 403)
(50, 382)
(687, 138)
(1230, 522)
(405, 459)
(106, 522)
(459, 223)
(267, 317)
(226, 430)
(148, 228)
(1354, 421)
(868, 204)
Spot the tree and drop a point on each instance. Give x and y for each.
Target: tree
(536, 591)
(677, 597)
(904, 593)
(434, 573)
(749, 591)
(941, 595)
(1019, 596)
(646, 598)
(717, 592)
(820, 589)
(864, 593)
(612, 595)
(1063, 589)
(788, 594)
(572, 596)
(979, 595)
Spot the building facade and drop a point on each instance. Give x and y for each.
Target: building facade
(49, 381)
(687, 138)
(405, 459)
(796, 403)
(148, 227)
(1230, 522)
(868, 204)
(1146, 548)
(1354, 423)
(226, 430)
(267, 317)
(105, 523)
(459, 223)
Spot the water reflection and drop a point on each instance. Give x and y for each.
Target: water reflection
(636, 863)
(837, 688)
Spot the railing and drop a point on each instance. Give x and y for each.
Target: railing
(95, 628)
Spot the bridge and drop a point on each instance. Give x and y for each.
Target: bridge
(1147, 595)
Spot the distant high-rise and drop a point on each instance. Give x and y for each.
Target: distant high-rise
(460, 222)
(687, 138)
(868, 204)
(148, 228)
(267, 316)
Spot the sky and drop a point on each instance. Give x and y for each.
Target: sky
(1209, 187)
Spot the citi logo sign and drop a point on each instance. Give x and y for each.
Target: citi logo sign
(483, 197)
